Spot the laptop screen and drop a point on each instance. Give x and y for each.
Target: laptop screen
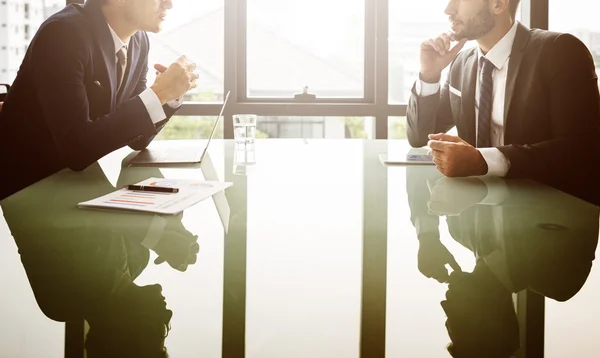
(212, 133)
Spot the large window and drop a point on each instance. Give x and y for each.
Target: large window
(411, 23)
(19, 20)
(352, 58)
(313, 43)
(195, 29)
(308, 69)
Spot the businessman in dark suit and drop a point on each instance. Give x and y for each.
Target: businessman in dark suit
(525, 102)
(81, 90)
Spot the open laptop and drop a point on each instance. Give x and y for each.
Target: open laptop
(178, 155)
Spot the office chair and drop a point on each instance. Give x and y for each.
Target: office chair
(3, 95)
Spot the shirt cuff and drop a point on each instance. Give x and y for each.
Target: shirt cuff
(154, 233)
(176, 103)
(497, 163)
(496, 188)
(425, 89)
(153, 106)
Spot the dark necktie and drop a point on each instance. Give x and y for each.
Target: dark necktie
(484, 121)
(121, 66)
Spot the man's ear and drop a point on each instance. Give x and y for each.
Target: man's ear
(500, 6)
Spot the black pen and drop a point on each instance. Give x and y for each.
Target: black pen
(158, 189)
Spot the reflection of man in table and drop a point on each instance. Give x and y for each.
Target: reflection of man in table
(524, 236)
(82, 264)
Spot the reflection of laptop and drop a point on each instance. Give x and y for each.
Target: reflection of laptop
(178, 155)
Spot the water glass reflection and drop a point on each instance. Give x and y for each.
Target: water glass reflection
(244, 156)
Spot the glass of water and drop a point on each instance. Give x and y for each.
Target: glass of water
(244, 128)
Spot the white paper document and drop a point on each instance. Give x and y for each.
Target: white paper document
(190, 193)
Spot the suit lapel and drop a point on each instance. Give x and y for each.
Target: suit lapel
(133, 56)
(106, 44)
(516, 57)
(468, 96)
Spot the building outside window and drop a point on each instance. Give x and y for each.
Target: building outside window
(19, 23)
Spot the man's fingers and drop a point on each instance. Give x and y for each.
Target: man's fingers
(453, 264)
(159, 260)
(160, 68)
(441, 45)
(182, 60)
(195, 248)
(433, 44)
(436, 153)
(437, 145)
(435, 136)
(452, 138)
(447, 41)
(445, 138)
(442, 275)
(191, 67)
(440, 168)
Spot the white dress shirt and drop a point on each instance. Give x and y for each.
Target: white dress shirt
(499, 55)
(148, 97)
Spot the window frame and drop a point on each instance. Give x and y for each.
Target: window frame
(375, 102)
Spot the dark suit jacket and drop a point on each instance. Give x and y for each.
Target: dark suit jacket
(551, 111)
(56, 115)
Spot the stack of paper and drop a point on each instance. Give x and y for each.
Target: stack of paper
(190, 193)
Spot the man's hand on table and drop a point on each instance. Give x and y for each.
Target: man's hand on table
(456, 158)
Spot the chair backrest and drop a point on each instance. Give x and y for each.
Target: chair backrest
(3, 94)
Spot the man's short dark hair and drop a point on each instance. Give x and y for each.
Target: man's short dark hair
(513, 5)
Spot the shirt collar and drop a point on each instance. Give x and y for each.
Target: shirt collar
(117, 40)
(501, 51)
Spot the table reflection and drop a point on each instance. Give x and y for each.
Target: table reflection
(81, 264)
(523, 237)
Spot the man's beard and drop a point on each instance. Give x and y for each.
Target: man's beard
(478, 26)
